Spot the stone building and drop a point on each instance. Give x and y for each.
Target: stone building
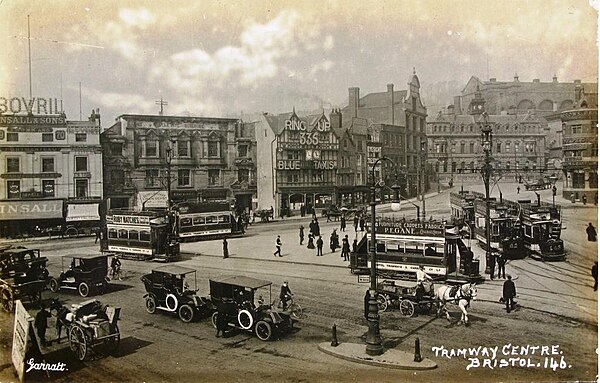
(51, 170)
(202, 158)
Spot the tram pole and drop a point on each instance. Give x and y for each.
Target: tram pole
(486, 142)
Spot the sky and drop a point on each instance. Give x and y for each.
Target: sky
(235, 58)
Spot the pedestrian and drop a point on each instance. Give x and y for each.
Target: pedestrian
(41, 323)
(301, 234)
(501, 265)
(591, 232)
(356, 223)
(518, 189)
(221, 318)
(584, 199)
(328, 216)
(278, 247)
(355, 245)
(343, 223)
(97, 231)
(241, 224)
(311, 227)
(320, 246)
(225, 249)
(252, 216)
(595, 275)
(362, 223)
(311, 244)
(492, 264)
(332, 241)
(509, 292)
(302, 210)
(285, 295)
(346, 248)
(367, 298)
(317, 228)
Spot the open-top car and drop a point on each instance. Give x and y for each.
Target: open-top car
(83, 273)
(168, 288)
(242, 306)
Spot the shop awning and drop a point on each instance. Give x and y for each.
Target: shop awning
(44, 209)
(82, 212)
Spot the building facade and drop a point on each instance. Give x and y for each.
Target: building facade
(580, 150)
(298, 162)
(456, 153)
(197, 158)
(51, 168)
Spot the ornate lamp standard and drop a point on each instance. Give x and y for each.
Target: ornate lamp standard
(486, 170)
(374, 346)
(424, 178)
(168, 160)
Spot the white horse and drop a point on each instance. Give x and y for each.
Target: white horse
(462, 297)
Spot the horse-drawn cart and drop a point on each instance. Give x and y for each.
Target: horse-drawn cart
(407, 299)
(91, 325)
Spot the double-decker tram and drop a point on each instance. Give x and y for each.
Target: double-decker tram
(207, 220)
(541, 227)
(140, 235)
(402, 246)
(462, 209)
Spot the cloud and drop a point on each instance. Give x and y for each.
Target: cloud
(129, 102)
(324, 66)
(137, 18)
(262, 50)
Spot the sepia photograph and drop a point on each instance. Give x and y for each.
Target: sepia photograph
(299, 191)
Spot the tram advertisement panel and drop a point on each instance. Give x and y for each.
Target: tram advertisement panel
(420, 229)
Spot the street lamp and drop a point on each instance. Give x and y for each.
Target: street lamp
(374, 346)
(168, 160)
(486, 170)
(424, 170)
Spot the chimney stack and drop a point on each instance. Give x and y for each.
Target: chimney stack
(390, 92)
(354, 97)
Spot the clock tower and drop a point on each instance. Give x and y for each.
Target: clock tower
(477, 105)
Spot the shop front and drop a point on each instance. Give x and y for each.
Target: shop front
(22, 218)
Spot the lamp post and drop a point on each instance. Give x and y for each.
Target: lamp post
(168, 160)
(374, 346)
(424, 170)
(486, 142)
(553, 179)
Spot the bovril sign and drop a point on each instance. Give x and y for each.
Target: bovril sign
(37, 105)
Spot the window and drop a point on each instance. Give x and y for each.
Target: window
(243, 175)
(123, 234)
(48, 188)
(134, 235)
(213, 177)
(507, 147)
(462, 147)
(151, 148)
(507, 165)
(498, 147)
(13, 165)
(81, 164)
(242, 150)
(47, 164)
(183, 148)
(152, 179)
(517, 147)
(116, 149)
(471, 147)
(183, 177)
(145, 236)
(13, 189)
(80, 137)
(81, 188)
(213, 149)
(576, 129)
(47, 137)
(530, 147)
(12, 137)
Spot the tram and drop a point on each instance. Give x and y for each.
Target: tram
(206, 220)
(402, 246)
(541, 227)
(145, 235)
(462, 208)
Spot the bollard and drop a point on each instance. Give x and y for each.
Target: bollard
(418, 357)
(334, 341)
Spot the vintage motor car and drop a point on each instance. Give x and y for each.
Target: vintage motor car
(84, 274)
(235, 297)
(23, 275)
(167, 289)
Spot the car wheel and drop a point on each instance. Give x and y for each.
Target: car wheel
(186, 313)
(214, 319)
(151, 305)
(54, 285)
(263, 330)
(84, 289)
(71, 232)
(245, 319)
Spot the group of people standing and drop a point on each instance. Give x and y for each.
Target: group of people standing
(334, 241)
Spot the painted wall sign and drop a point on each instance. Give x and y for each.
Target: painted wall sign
(294, 124)
(288, 165)
(128, 219)
(31, 210)
(37, 105)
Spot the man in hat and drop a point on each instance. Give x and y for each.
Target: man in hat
(285, 295)
(509, 292)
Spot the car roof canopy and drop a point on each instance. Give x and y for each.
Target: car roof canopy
(173, 269)
(86, 256)
(242, 281)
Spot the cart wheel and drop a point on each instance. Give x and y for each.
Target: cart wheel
(296, 311)
(54, 285)
(382, 302)
(186, 313)
(263, 330)
(407, 308)
(214, 319)
(71, 232)
(78, 342)
(84, 289)
(151, 305)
